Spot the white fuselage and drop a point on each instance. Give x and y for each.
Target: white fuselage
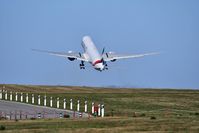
(92, 54)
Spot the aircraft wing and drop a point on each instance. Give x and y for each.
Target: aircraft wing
(113, 56)
(64, 54)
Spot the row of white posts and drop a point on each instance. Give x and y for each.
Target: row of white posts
(100, 107)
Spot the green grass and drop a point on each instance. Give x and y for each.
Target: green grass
(133, 110)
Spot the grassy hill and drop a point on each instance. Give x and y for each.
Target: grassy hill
(126, 110)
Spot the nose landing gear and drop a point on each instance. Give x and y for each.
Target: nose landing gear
(106, 67)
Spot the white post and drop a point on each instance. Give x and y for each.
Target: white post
(33, 99)
(45, 100)
(6, 95)
(58, 102)
(85, 107)
(2, 91)
(0, 94)
(78, 105)
(26, 97)
(16, 97)
(39, 100)
(92, 108)
(64, 103)
(51, 102)
(102, 109)
(21, 97)
(11, 96)
(71, 104)
(99, 110)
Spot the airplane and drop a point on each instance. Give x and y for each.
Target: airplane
(93, 56)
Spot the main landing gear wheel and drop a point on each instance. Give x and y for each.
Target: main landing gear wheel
(82, 65)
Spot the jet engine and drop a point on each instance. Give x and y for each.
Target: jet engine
(109, 54)
(113, 60)
(71, 59)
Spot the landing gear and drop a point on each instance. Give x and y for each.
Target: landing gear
(106, 67)
(82, 65)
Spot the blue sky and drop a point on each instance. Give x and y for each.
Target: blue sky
(122, 26)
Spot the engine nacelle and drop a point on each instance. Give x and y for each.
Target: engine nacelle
(113, 60)
(71, 59)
